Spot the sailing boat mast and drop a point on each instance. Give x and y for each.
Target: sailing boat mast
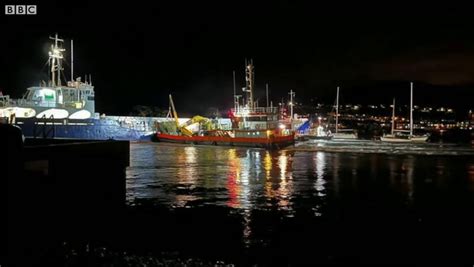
(393, 116)
(337, 108)
(411, 109)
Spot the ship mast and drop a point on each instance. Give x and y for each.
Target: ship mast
(55, 57)
(337, 108)
(411, 109)
(292, 95)
(393, 116)
(249, 79)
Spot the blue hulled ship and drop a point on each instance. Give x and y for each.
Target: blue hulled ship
(55, 109)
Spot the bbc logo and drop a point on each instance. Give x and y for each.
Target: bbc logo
(20, 9)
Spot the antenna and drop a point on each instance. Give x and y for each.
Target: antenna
(292, 94)
(235, 102)
(72, 60)
(267, 94)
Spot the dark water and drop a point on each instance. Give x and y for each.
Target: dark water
(250, 206)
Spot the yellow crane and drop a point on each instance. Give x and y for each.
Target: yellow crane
(195, 119)
(175, 115)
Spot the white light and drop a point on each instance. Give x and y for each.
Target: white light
(282, 126)
(18, 111)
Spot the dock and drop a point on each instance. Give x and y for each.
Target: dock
(58, 189)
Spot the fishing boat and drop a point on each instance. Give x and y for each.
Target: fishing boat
(252, 126)
(66, 109)
(404, 136)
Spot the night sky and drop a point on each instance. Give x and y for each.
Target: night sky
(138, 53)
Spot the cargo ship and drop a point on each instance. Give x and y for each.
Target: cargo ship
(66, 109)
(251, 126)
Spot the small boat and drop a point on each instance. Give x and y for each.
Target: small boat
(305, 132)
(399, 138)
(404, 136)
(252, 126)
(350, 135)
(321, 134)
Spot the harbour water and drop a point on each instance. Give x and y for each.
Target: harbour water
(253, 206)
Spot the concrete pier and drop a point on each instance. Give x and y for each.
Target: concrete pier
(57, 190)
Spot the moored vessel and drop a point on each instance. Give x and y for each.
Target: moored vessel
(66, 109)
(344, 134)
(251, 126)
(404, 136)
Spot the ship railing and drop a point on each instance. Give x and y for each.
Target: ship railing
(43, 129)
(261, 110)
(21, 102)
(31, 103)
(133, 123)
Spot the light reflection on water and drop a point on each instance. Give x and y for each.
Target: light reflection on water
(295, 185)
(254, 179)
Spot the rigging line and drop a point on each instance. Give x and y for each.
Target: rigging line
(64, 76)
(67, 63)
(46, 63)
(42, 74)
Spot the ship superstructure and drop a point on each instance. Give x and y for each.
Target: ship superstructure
(248, 116)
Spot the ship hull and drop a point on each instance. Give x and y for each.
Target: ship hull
(415, 139)
(270, 143)
(313, 137)
(344, 136)
(90, 129)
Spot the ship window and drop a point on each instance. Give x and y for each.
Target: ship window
(90, 98)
